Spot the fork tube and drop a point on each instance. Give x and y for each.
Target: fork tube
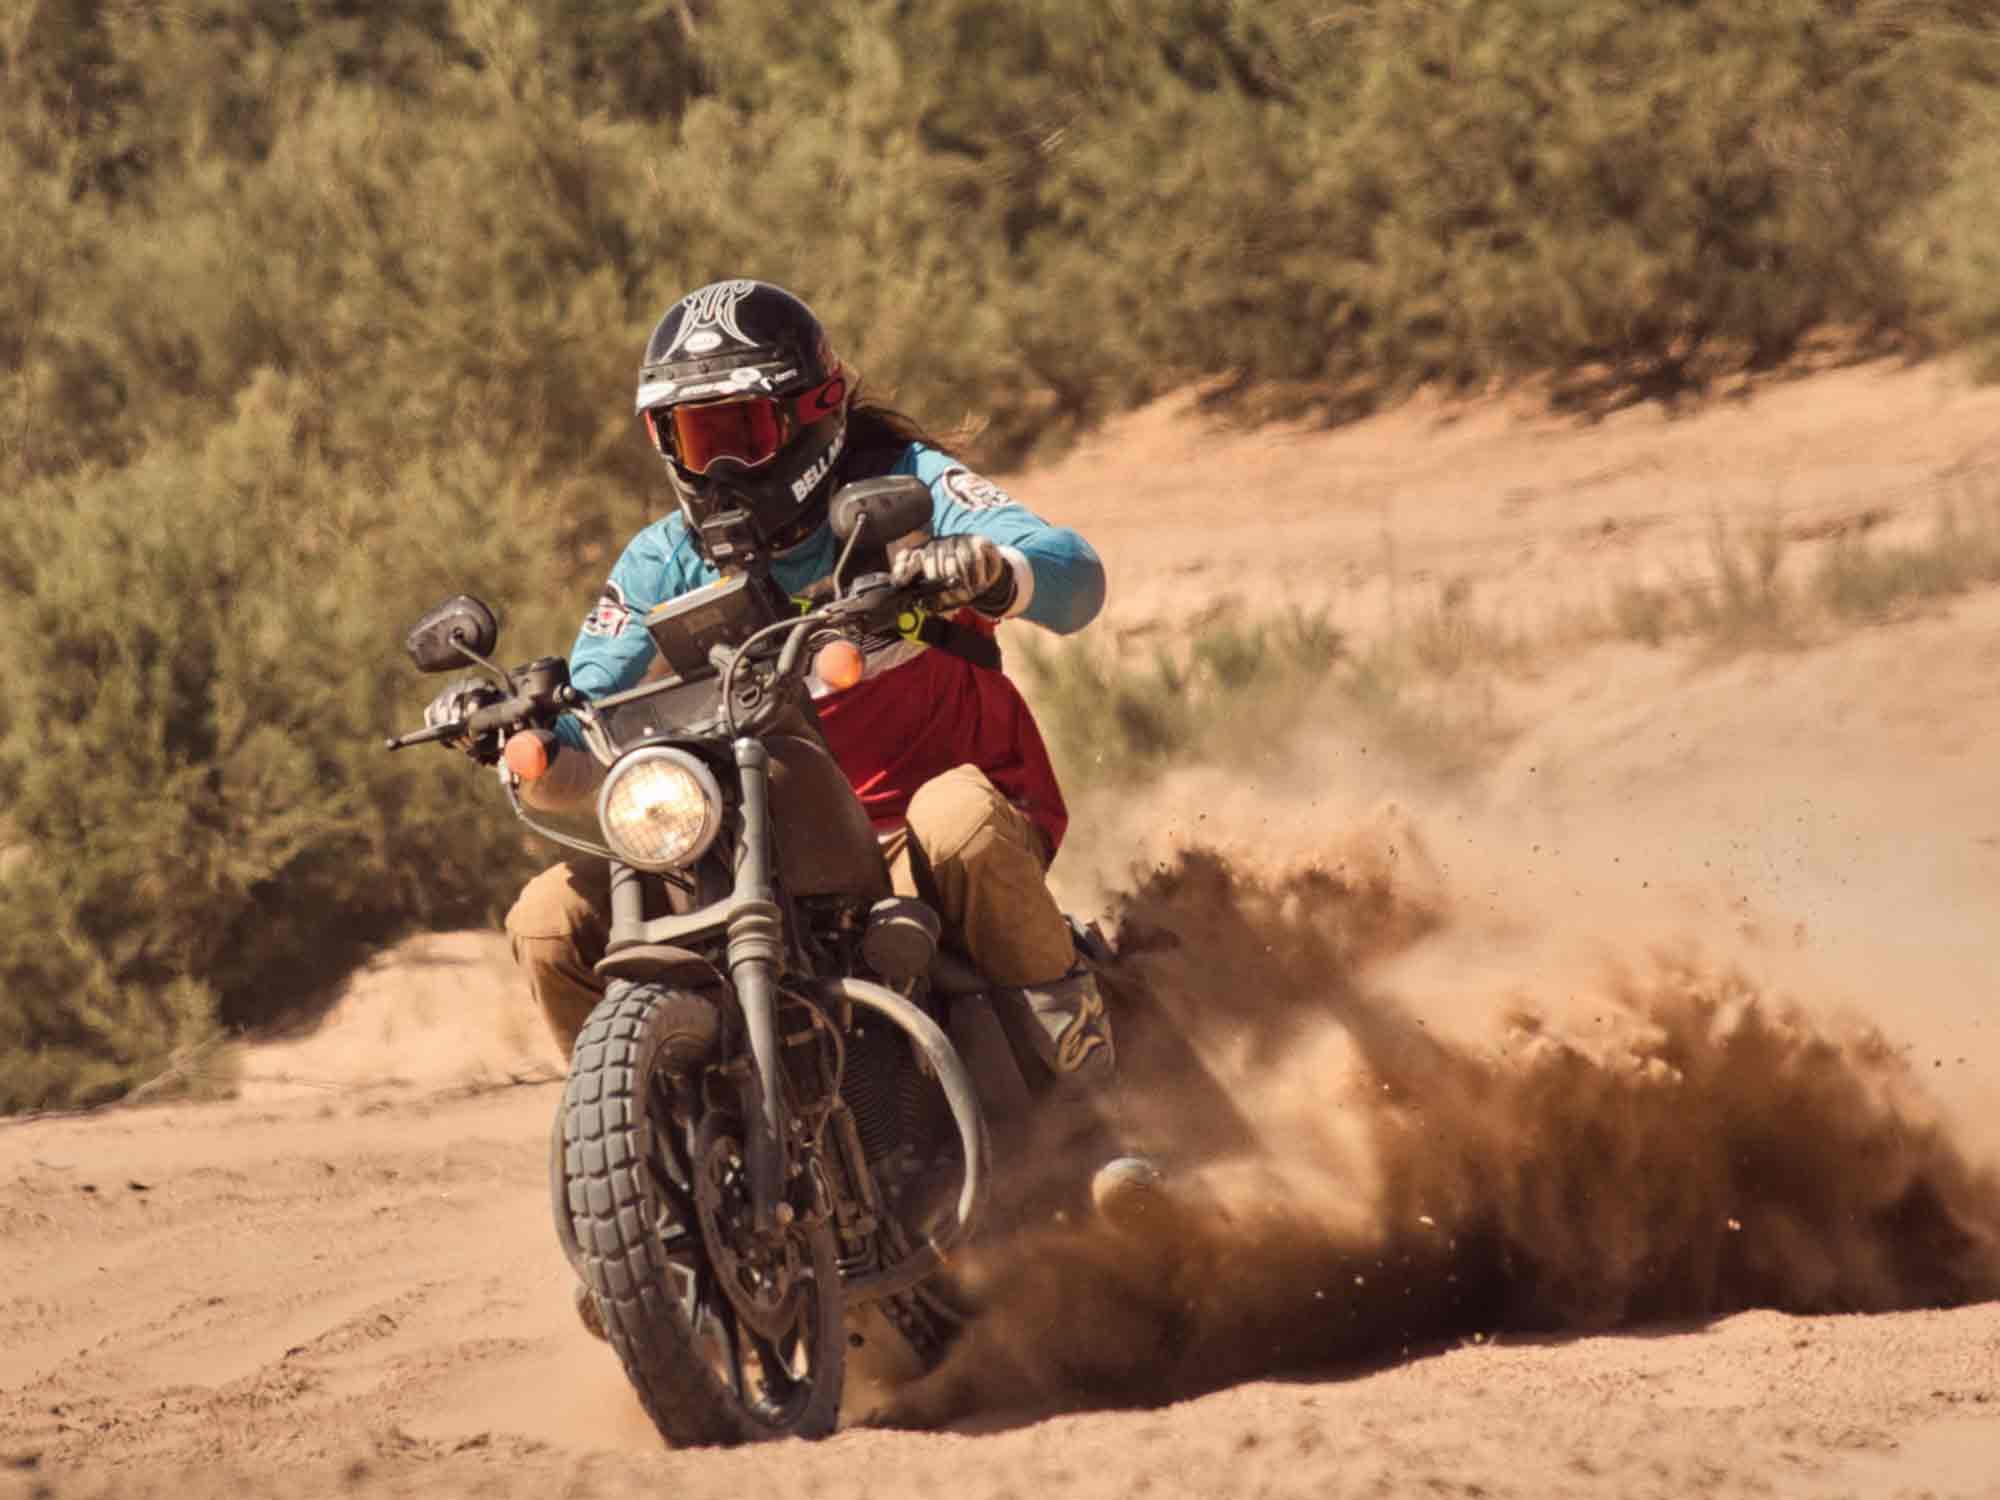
(756, 952)
(628, 904)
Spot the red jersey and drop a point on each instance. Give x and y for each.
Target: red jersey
(929, 713)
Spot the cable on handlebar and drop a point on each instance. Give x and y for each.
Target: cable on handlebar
(788, 658)
(743, 651)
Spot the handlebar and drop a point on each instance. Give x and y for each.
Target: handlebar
(873, 602)
(502, 715)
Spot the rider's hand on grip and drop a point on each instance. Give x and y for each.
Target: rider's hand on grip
(959, 570)
(459, 701)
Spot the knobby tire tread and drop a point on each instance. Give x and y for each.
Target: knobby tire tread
(605, 1128)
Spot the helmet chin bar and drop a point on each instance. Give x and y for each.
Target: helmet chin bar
(725, 516)
(730, 539)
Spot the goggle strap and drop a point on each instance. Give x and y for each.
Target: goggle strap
(823, 400)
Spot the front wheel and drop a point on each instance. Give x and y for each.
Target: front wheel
(728, 1336)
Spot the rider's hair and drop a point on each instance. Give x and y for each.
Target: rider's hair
(873, 425)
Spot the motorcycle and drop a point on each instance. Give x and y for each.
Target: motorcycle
(734, 1220)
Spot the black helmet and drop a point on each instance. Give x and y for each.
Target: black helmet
(743, 397)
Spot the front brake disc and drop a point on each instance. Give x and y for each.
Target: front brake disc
(759, 1273)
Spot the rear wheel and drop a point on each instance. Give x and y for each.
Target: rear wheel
(727, 1335)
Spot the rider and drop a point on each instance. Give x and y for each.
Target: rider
(758, 424)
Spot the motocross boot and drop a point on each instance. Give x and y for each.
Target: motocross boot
(1071, 1030)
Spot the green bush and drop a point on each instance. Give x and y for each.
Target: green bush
(193, 768)
(1033, 214)
(1954, 250)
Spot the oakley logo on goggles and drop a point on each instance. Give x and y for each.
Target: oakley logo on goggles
(751, 430)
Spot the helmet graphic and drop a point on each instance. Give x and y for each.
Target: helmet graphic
(742, 395)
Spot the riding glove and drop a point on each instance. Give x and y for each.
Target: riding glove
(960, 570)
(461, 699)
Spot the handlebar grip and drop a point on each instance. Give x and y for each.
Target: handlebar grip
(498, 715)
(504, 714)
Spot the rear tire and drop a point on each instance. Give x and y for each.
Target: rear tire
(702, 1372)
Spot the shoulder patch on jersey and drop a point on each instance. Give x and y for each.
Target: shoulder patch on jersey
(974, 491)
(610, 615)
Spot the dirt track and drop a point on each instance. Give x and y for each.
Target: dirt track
(343, 1281)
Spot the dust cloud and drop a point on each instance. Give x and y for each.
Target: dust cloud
(1355, 1187)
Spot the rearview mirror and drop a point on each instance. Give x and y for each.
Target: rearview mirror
(890, 507)
(452, 634)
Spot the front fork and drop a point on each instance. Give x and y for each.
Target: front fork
(755, 959)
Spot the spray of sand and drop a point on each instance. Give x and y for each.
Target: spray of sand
(1354, 1188)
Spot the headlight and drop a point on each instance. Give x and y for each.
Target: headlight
(660, 809)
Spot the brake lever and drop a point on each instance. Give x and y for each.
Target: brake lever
(429, 736)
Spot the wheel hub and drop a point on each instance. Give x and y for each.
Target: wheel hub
(759, 1273)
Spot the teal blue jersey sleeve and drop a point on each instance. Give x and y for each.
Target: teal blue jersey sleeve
(1063, 589)
(1059, 580)
(612, 650)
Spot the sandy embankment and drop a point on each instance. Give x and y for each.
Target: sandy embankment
(343, 1281)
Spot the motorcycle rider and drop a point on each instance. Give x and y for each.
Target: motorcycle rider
(758, 424)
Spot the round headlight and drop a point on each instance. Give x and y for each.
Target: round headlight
(660, 809)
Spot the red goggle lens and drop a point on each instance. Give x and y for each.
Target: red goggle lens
(749, 429)
(752, 430)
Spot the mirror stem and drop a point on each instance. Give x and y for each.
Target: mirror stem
(846, 554)
(506, 678)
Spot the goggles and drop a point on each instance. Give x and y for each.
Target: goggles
(750, 430)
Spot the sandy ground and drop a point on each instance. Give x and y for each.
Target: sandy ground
(1622, 1118)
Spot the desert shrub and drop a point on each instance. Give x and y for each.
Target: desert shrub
(1642, 612)
(1858, 578)
(1552, 184)
(1032, 214)
(1745, 600)
(1240, 686)
(193, 767)
(1234, 678)
(1954, 249)
(1450, 633)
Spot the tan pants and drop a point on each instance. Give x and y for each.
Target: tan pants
(965, 849)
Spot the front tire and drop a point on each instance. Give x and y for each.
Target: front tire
(640, 1175)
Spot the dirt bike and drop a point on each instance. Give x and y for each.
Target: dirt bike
(830, 1149)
